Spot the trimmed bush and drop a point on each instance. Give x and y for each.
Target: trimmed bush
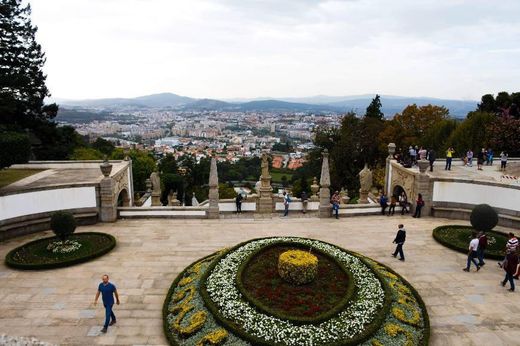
(16, 148)
(63, 224)
(483, 218)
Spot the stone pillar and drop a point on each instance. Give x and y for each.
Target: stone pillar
(424, 186)
(108, 209)
(325, 208)
(213, 211)
(265, 201)
(388, 183)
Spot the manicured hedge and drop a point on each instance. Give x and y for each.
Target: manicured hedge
(457, 237)
(34, 256)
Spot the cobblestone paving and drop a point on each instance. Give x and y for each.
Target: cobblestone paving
(55, 306)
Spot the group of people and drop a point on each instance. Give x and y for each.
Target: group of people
(402, 199)
(476, 251)
(485, 156)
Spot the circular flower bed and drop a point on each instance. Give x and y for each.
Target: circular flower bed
(50, 252)
(457, 237)
(213, 301)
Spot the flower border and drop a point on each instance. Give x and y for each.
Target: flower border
(361, 334)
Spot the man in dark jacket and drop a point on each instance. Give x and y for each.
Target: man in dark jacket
(400, 238)
(482, 245)
(431, 158)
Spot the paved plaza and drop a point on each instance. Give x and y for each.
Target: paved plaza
(56, 305)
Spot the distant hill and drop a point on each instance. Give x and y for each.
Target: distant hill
(154, 101)
(319, 103)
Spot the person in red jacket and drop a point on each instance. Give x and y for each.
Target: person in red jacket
(482, 245)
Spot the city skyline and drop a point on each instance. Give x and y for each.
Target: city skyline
(229, 49)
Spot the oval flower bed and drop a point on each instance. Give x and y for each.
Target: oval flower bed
(370, 303)
(43, 254)
(457, 237)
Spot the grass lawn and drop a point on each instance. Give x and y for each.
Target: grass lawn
(277, 176)
(9, 176)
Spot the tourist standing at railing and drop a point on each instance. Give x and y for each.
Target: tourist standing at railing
(335, 199)
(422, 153)
(481, 156)
(418, 206)
(403, 202)
(503, 161)
(305, 199)
(413, 155)
(393, 202)
(238, 202)
(469, 156)
(286, 201)
(489, 159)
(449, 157)
(431, 158)
(383, 202)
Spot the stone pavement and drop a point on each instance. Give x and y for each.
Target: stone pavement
(56, 305)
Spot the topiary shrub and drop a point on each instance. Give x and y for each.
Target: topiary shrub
(63, 224)
(16, 148)
(483, 218)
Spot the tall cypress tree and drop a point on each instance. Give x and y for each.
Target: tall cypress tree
(22, 81)
(374, 109)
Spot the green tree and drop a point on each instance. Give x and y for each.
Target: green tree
(374, 109)
(472, 132)
(487, 104)
(143, 164)
(504, 135)
(15, 148)
(22, 81)
(86, 154)
(168, 164)
(103, 146)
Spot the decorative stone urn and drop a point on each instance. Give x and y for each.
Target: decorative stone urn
(315, 187)
(106, 168)
(297, 267)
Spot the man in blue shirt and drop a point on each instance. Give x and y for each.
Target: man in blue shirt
(107, 291)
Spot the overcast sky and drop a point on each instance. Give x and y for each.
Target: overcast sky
(279, 48)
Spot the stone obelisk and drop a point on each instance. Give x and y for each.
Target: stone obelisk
(213, 211)
(265, 201)
(325, 209)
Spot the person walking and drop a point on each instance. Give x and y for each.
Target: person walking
(335, 199)
(304, 198)
(393, 202)
(286, 201)
(482, 245)
(469, 156)
(503, 161)
(107, 291)
(400, 238)
(511, 247)
(419, 203)
(472, 253)
(449, 157)
(403, 202)
(238, 202)
(383, 202)
(431, 158)
(510, 265)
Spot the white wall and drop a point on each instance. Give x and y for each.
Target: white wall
(471, 193)
(29, 203)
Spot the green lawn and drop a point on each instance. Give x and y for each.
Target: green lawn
(277, 176)
(9, 176)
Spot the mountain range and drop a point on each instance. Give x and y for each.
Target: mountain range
(319, 103)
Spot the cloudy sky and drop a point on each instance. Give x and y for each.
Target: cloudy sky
(244, 48)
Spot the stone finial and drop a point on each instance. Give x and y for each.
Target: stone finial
(148, 185)
(106, 167)
(391, 150)
(325, 173)
(344, 196)
(213, 173)
(315, 187)
(423, 165)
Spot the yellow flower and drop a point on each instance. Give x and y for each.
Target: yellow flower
(216, 337)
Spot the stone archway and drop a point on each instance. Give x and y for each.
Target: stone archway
(398, 190)
(123, 200)
(402, 180)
